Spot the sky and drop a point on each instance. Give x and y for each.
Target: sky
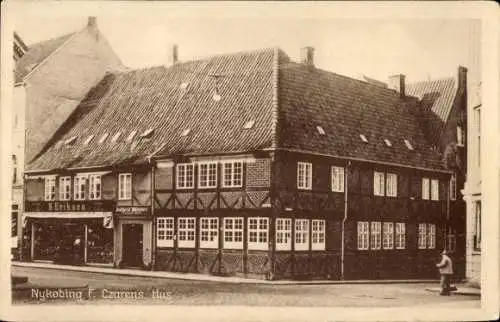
(421, 48)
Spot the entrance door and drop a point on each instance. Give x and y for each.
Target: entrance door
(132, 245)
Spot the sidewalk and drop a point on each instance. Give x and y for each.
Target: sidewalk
(204, 277)
(462, 290)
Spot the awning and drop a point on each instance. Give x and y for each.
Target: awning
(75, 215)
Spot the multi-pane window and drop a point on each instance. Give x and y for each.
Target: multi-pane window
(477, 227)
(185, 176)
(79, 188)
(233, 232)
(376, 235)
(209, 232)
(186, 232)
(304, 175)
(391, 185)
(453, 187)
(165, 231)
(318, 234)
(426, 236)
(431, 236)
(232, 174)
(378, 183)
(422, 236)
(388, 236)
(50, 188)
(125, 186)
(207, 175)
(65, 188)
(338, 179)
(363, 235)
(283, 234)
(301, 234)
(258, 230)
(94, 186)
(400, 235)
(434, 189)
(425, 188)
(430, 189)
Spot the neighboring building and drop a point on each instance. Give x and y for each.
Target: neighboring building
(472, 191)
(51, 77)
(242, 164)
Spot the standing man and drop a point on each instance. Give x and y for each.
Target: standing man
(446, 270)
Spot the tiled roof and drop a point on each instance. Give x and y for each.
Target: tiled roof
(36, 54)
(346, 108)
(437, 97)
(180, 99)
(170, 101)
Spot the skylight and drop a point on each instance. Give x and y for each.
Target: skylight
(103, 138)
(70, 140)
(388, 143)
(147, 133)
(249, 124)
(131, 136)
(87, 141)
(320, 130)
(408, 145)
(185, 132)
(363, 138)
(115, 137)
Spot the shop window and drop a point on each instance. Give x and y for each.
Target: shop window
(125, 186)
(232, 175)
(95, 187)
(50, 188)
(165, 232)
(209, 232)
(301, 234)
(376, 235)
(378, 183)
(283, 234)
(186, 232)
(363, 234)
(388, 233)
(99, 243)
(338, 179)
(304, 175)
(477, 226)
(318, 234)
(258, 230)
(65, 188)
(400, 235)
(207, 175)
(233, 233)
(391, 185)
(185, 176)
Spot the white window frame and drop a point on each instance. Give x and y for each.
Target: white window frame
(391, 185)
(337, 178)
(434, 189)
(363, 235)
(95, 187)
(378, 183)
(301, 238)
(318, 236)
(422, 236)
(431, 236)
(186, 232)
(78, 192)
(400, 242)
(258, 227)
(50, 188)
(426, 188)
(388, 235)
(65, 188)
(304, 175)
(376, 235)
(184, 176)
(125, 186)
(453, 187)
(230, 178)
(206, 178)
(165, 232)
(234, 231)
(209, 232)
(283, 234)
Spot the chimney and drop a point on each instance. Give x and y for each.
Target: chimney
(92, 22)
(173, 55)
(397, 82)
(462, 77)
(307, 56)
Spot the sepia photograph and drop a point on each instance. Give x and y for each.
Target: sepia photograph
(203, 157)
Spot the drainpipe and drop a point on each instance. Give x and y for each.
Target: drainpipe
(153, 217)
(346, 205)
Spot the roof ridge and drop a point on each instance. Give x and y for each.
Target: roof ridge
(432, 80)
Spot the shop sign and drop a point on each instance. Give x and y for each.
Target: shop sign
(132, 211)
(70, 206)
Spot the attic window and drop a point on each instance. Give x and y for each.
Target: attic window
(388, 143)
(408, 145)
(363, 138)
(131, 136)
(87, 141)
(103, 138)
(185, 132)
(147, 133)
(115, 137)
(248, 125)
(184, 85)
(320, 130)
(71, 140)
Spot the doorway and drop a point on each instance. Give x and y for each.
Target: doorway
(132, 245)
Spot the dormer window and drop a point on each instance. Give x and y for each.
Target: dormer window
(185, 132)
(363, 138)
(87, 141)
(147, 133)
(115, 137)
(320, 130)
(71, 140)
(388, 143)
(408, 145)
(131, 136)
(248, 125)
(103, 138)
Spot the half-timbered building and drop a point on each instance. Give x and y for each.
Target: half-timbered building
(245, 164)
